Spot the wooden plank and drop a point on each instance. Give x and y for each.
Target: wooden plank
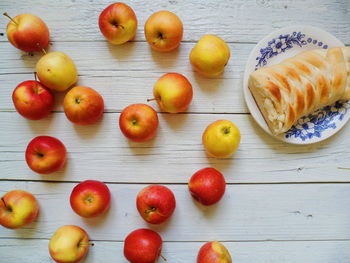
(246, 213)
(101, 152)
(243, 252)
(126, 74)
(239, 20)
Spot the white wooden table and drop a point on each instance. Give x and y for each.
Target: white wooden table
(283, 203)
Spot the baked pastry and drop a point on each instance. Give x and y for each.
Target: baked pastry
(300, 85)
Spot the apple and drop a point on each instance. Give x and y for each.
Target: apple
(155, 203)
(118, 23)
(142, 246)
(57, 71)
(69, 244)
(221, 139)
(163, 31)
(173, 93)
(83, 105)
(207, 186)
(32, 100)
(45, 154)
(139, 122)
(90, 198)
(27, 32)
(213, 252)
(17, 209)
(210, 56)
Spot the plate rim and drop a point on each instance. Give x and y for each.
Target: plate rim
(247, 92)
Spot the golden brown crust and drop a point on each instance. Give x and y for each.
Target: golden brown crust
(300, 85)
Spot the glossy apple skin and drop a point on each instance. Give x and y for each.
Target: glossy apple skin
(207, 186)
(142, 246)
(83, 105)
(155, 203)
(69, 244)
(32, 100)
(163, 31)
(221, 139)
(46, 154)
(29, 34)
(173, 92)
(118, 23)
(139, 122)
(17, 209)
(90, 198)
(213, 252)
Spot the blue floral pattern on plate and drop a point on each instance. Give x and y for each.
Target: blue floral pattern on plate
(319, 121)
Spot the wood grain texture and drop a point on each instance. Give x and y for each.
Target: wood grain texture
(126, 74)
(239, 20)
(246, 213)
(101, 152)
(262, 252)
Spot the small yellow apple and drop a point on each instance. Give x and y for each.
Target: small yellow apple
(210, 56)
(221, 139)
(57, 71)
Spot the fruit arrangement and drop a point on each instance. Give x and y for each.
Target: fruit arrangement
(173, 92)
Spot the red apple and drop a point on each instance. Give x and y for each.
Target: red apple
(27, 32)
(17, 209)
(138, 122)
(155, 203)
(173, 93)
(90, 198)
(83, 105)
(32, 100)
(163, 31)
(118, 23)
(69, 244)
(207, 186)
(45, 154)
(213, 252)
(142, 246)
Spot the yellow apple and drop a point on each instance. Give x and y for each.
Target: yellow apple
(213, 252)
(163, 31)
(210, 56)
(57, 71)
(221, 139)
(69, 244)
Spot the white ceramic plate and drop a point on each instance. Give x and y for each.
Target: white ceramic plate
(285, 43)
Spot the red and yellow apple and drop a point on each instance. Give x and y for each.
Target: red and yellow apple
(27, 32)
(207, 186)
(57, 71)
(46, 154)
(90, 198)
(221, 139)
(155, 203)
(118, 23)
(210, 56)
(69, 244)
(163, 31)
(173, 93)
(17, 209)
(139, 122)
(142, 246)
(213, 252)
(83, 105)
(32, 100)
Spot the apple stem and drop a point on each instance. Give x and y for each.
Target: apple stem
(343, 168)
(148, 100)
(152, 209)
(162, 257)
(44, 51)
(87, 244)
(35, 77)
(6, 14)
(3, 200)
